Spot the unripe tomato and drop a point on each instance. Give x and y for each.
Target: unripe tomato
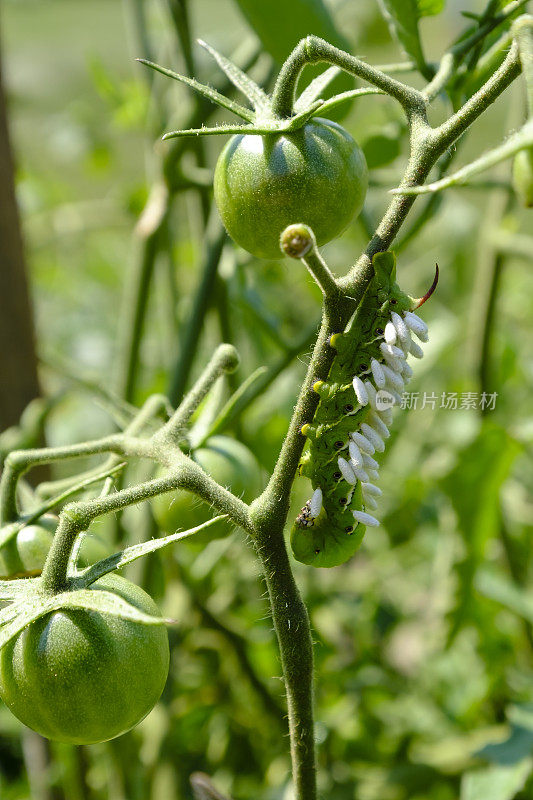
(229, 463)
(316, 175)
(79, 676)
(523, 176)
(25, 554)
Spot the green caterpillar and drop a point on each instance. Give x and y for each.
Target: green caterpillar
(351, 422)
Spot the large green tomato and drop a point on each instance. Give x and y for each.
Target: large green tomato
(229, 463)
(84, 677)
(316, 175)
(523, 176)
(24, 556)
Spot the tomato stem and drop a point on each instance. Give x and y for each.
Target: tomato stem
(523, 31)
(312, 50)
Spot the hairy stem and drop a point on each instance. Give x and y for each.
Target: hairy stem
(291, 623)
(225, 359)
(523, 31)
(270, 510)
(313, 50)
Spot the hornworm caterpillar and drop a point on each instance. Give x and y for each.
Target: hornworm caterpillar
(351, 422)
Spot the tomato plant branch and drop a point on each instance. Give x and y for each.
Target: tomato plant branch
(452, 59)
(322, 274)
(313, 50)
(291, 623)
(270, 510)
(225, 359)
(444, 135)
(19, 462)
(523, 32)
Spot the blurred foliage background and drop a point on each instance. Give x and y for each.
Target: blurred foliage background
(424, 641)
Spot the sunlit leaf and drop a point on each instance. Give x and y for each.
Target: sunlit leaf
(503, 591)
(129, 554)
(474, 490)
(500, 782)
(428, 8)
(315, 89)
(402, 17)
(247, 86)
(205, 91)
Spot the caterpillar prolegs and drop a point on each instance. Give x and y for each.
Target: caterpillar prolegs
(352, 420)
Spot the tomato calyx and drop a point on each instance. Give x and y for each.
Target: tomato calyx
(261, 119)
(25, 600)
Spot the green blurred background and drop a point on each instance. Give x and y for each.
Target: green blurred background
(424, 641)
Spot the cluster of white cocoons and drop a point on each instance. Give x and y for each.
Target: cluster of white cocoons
(390, 377)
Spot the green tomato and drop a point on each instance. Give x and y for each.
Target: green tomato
(25, 554)
(523, 176)
(229, 463)
(84, 677)
(316, 175)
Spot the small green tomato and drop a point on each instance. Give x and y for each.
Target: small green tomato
(316, 175)
(83, 677)
(229, 463)
(24, 556)
(523, 176)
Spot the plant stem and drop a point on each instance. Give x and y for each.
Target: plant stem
(313, 50)
(224, 359)
(490, 264)
(523, 31)
(269, 511)
(183, 473)
(135, 305)
(444, 135)
(321, 273)
(215, 238)
(291, 623)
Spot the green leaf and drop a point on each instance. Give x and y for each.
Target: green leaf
(427, 8)
(26, 614)
(315, 89)
(503, 591)
(383, 147)
(19, 615)
(511, 761)
(299, 120)
(221, 130)
(280, 24)
(90, 574)
(205, 91)
(402, 17)
(245, 84)
(473, 487)
(11, 589)
(103, 602)
(501, 782)
(10, 612)
(343, 97)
